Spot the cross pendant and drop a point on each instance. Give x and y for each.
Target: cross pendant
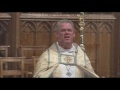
(68, 74)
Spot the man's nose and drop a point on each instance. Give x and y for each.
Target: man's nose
(66, 31)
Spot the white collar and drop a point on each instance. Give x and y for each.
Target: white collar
(72, 49)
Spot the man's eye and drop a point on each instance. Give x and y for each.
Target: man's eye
(62, 30)
(69, 30)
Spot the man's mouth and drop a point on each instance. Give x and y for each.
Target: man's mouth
(67, 37)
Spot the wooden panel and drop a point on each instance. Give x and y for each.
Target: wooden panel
(29, 51)
(77, 32)
(104, 55)
(116, 50)
(43, 33)
(35, 33)
(4, 32)
(90, 42)
(27, 33)
(53, 33)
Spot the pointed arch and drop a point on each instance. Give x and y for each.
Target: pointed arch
(105, 27)
(28, 26)
(3, 26)
(44, 26)
(90, 27)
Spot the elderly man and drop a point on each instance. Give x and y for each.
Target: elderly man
(64, 59)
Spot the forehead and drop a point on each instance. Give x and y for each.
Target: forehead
(66, 25)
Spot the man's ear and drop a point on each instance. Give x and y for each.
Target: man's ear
(74, 34)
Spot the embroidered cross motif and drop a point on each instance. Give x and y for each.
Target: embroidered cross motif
(68, 59)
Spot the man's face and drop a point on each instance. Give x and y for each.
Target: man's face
(66, 33)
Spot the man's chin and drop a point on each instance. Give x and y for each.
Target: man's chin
(67, 42)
